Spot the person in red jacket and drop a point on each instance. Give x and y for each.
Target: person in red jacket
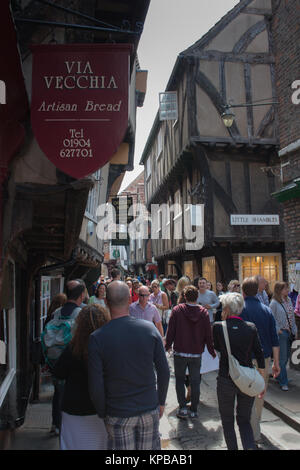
(189, 331)
(134, 291)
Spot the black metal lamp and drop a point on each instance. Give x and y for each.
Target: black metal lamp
(228, 116)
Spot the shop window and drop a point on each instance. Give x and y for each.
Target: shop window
(209, 270)
(267, 265)
(188, 269)
(171, 269)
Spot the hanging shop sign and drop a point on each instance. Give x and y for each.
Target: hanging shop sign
(123, 209)
(168, 106)
(79, 107)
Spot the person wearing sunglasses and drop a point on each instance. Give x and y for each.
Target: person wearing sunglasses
(145, 310)
(234, 286)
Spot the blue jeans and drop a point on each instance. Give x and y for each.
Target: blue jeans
(193, 364)
(284, 355)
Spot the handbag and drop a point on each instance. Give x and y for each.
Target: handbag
(247, 379)
(292, 336)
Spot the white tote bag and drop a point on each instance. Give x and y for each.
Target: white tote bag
(248, 380)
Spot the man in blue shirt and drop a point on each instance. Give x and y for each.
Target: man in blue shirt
(261, 315)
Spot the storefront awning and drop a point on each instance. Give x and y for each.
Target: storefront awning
(291, 191)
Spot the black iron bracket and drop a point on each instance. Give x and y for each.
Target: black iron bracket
(75, 13)
(54, 24)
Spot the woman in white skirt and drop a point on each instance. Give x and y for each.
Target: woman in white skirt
(81, 428)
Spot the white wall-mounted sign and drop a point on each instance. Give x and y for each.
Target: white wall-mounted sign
(254, 219)
(168, 106)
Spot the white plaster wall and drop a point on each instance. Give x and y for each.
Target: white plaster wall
(226, 39)
(235, 91)
(208, 119)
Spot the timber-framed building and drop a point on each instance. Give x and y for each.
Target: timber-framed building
(197, 160)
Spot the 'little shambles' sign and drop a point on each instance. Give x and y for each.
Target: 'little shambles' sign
(79, 107)
(254, 219)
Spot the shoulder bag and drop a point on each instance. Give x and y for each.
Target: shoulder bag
(248, 380)
(292, 336)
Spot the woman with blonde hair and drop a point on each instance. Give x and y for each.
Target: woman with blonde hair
(158, 297)
(234, 286)
(283, 312)
(181, 284)
(81, 428)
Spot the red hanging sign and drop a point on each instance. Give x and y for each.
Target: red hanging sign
(79, 106)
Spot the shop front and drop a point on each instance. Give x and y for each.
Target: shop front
(266, 264)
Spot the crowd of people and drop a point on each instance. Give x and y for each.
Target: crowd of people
(111, 379)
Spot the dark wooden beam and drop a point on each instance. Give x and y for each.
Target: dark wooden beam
(245, 57)
(248, 37)
(208, 87)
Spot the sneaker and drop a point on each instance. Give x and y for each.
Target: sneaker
(182, 413)
(193, 415)
(285, 388)
(56, 431)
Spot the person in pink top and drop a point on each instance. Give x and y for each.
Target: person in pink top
(297, 314)
(145, 310)
(297, 306)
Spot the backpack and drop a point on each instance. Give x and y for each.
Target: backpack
(247, 379)
(57, 334)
